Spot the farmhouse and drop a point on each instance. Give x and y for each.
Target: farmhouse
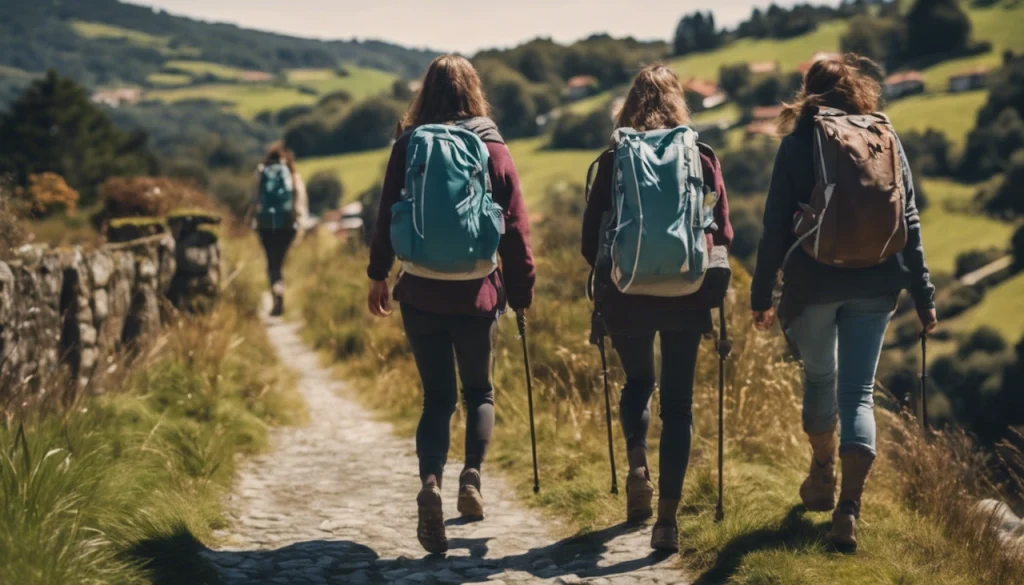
(968, 80)
(116, 98)
(763, 67)
(711, 96)
(581, 86)
(903, 84)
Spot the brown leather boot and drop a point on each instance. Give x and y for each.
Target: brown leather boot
(639, 489)
(818, 491)
(665, 536)
(856, 466)
(471, 502)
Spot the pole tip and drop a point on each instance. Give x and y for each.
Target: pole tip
(536, 488)
(719, 515)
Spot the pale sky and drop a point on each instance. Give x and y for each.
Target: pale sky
(460, 25)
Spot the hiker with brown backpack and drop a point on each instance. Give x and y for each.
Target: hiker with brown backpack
(842, 224)
(450, 207)
(656, 232)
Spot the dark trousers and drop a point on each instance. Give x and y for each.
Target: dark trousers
(439, 342)
(275, 245)
(678, 365)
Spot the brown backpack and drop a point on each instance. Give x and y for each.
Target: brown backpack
(855, 218)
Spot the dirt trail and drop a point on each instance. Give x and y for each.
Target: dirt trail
(334, 502)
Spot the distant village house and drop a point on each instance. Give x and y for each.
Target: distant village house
(115, 98)
(581, 86)
(903, 84)
(710, 95)
(763, 67)
(968, 80)
(256, 77)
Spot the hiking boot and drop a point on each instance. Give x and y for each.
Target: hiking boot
(278, 308)
(665, 536)
(842, 536)
(430, 529)
(818, 491)
(639, 493)
(471, 502)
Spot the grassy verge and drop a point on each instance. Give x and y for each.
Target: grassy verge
(916, 526)
(120, 488)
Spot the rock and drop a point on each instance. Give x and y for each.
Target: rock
(88, 360)
(147, 269)
(100, 305)
(86, 334)
(101, 267)
(6, 293)
(1000, 514)
(358, 578)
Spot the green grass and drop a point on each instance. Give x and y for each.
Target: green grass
(360, 82)
(728, 112)
(948, 233)
(1002, 308)
(357, 172)
(198, 68)
(953, 114)
(168, 79)
(788, 52)
(138, 474)
(245, 99)
(993, 24)
(98, 30)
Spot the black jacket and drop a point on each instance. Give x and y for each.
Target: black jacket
(808, 282)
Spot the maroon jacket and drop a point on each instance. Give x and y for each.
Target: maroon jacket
(513, 282)
(629, 314)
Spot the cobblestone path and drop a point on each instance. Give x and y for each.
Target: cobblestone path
(333, 502)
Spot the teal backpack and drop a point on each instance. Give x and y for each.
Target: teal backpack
(277, 198)
(653, 240)
(446, 225)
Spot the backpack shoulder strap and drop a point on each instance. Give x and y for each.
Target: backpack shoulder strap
(592, 172)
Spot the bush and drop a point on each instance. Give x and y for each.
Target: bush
(972, 260)
(983, 339)
(368, 126)
(959, 299)
(999, 131)
(12, 229)
(325, 192)
(927, 152)
(48, 193)
(148, 197)
(233, 190)
(307, 136)
(591, 131)
(881, 39)
(1008, 199)
(748, 169)
(734, 79)
(936, 27)
(515, 110)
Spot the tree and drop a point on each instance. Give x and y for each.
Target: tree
(696, 32)
(935, 27)
(589, 131)
(883, 40)
(325, 192)
(48, 193)
(514, 108)
(734, 79)
(1008, 198)
(928, 152)
(991, 146)
(369, 125)
(54, 127)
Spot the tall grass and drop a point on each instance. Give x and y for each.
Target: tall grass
(916, 528)
(121, 487)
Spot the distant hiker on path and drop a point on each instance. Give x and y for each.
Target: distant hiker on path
(451, 205)
(842, 223)
(280, 207)
(659, 283)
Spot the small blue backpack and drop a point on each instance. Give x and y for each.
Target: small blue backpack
(654, 237)
(446, 225)
(277, 198)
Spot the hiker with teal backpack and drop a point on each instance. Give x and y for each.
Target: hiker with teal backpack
(842, 224)
(280, 207)
(656, 232)
(450, 207)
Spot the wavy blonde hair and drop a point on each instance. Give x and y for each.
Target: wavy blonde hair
(656, 100)
(451, 91)
(848, 83)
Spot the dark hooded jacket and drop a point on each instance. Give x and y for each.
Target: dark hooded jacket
(512, 284)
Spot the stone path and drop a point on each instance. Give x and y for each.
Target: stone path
(334, 502)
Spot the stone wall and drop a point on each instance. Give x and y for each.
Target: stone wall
(70, 312)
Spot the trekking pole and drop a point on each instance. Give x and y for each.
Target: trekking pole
(924, 379)
(521, 322)
(724, 349)
(608, 413)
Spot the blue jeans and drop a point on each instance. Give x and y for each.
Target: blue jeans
(839, 344)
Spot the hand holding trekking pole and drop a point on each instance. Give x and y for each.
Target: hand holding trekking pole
(521, 322)
(724, 349)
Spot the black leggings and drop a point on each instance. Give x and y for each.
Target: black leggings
(678, 366)
(276, 244)
(434, 339)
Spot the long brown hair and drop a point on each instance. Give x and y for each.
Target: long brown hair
(656, 100)
(848, 83)
(279, 153)
(451, 91)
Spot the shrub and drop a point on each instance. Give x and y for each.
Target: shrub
(48, 193)
(1008, 198)
(325, 192)
(959, 299)
(881, 39)
(148, 197)
(983, 339)
(369, 125)
(12, 230)
(972, 260)
(590, 131)
(927, 152)
(935, 27)
(749, 168)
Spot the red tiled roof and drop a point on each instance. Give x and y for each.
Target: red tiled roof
(701, 87)
(904, 77)
(581, 81)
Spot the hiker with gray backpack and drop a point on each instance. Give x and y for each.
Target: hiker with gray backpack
(278, 209)
(842, 224)
(450, 207)
(656, 233)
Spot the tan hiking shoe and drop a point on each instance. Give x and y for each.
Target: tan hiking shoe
(818, 491)
(665, 536)
(430, 529)
(843, 533)
(471, 502)
(639, 493)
